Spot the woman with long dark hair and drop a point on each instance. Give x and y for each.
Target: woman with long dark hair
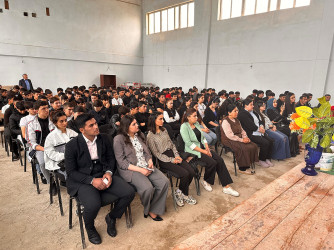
(254, 127)
(211, 115)
(196, 144)
(234, 137)
(136, 167)
(184, 106)
(172, 117)
(169, 159)
(281, 148)
(210, 136)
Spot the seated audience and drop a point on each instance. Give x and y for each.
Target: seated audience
(14, 125)
(302, 101)
(211, 116)
(201, 106)
(136, 167)
(169, 159)
(184, 106)
(142, 116)
(172, 117)
(54, 147)
(116, 101)
(277, 118)
(99, 114)
(254, 128)
(55, 103)
(196, 144)
(281, 148)
(38, 130)
(30, 106)
(90, 166)
(161, 105)
(115, 120)
(71, 124)
(234, 137)
(68, 108)
(210, 136)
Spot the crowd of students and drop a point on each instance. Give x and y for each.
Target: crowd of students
(110, 142)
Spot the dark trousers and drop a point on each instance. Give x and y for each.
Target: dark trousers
(92, 199)
(184, 171)
(215, 164)
(266, 146)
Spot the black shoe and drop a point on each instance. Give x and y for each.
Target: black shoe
(44, 181)
(111, 226)
(157, 218)
(16, 157)
(93, 236)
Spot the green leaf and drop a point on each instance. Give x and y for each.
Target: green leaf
(316, 112)
(313, 120)
(325, 141)
(302, 123)
(315, 141)
(325, 110)
(322, 100)
(308, 136)
(304, 111)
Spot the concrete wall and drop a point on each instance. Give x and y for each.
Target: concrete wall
(281, 50)
(79, 41)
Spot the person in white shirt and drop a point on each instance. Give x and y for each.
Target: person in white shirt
(172, 117)
(54, 147)
(222, 97)
(25, 120)
(116, 101)
(201, 105)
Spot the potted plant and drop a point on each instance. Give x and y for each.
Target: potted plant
(316, 127)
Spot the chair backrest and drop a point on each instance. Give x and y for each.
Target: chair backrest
(180, 143)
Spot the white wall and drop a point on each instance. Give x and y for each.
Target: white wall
(79, 41)
(287, 49)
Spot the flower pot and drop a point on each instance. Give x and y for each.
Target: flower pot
(326, 162)
(312, 158)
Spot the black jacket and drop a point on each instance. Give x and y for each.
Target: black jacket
(79, 165)
(72, 125)
(247, 121)
(101, 117)
(7, 114)
(209, 116)
(23, 84)
(14, 123)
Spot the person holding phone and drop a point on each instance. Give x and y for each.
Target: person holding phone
(90, 164)
(136, 167)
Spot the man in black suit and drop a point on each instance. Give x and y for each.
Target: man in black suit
(90, 164)
(26, 83)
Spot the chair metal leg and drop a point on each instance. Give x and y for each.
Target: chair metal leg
(19, 148)
(35, 177)
(51, 186)
(173, 193)
(2, 139)
(235, 164)
(81, 225)
(128, 217)
(25, 160)
(6, 147)
(198, 189)
(70, 213)
(59, 195)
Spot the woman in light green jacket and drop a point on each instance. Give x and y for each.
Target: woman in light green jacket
(196, 144)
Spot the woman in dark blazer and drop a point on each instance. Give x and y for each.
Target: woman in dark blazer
(135, 166)
(254, 128)
(211, 115)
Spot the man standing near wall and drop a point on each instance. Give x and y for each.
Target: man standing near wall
(25, 83)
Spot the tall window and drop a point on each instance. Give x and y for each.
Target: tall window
(236, 8)
(173, 17)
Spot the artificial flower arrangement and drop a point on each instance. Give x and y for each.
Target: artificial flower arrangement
(315, 125)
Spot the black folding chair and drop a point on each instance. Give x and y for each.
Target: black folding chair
(194, 163)
(54, 182)
(34, 162)
(18, 144)
(80, 209)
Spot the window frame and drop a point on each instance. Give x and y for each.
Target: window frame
(177, 17)
(278, 7)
